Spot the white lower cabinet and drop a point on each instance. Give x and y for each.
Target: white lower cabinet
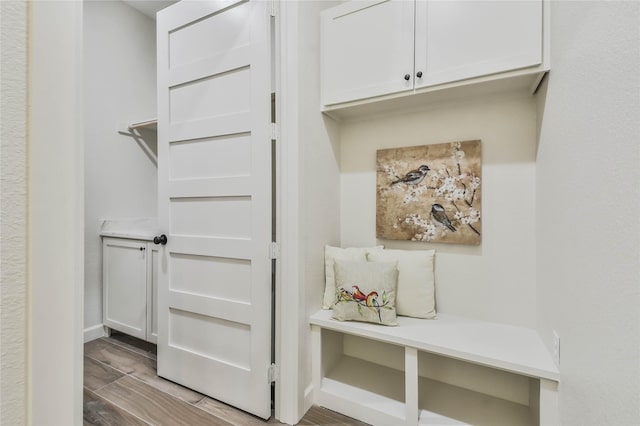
(448, 371)
(129, 278)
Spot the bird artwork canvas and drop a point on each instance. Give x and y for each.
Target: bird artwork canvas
(430, 193)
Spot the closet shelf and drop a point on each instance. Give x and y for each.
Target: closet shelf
(147, 124)
(145, 133)
(151, 124)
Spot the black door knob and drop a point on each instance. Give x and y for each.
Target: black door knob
(162, 239)
(419, 74)
(407, 77)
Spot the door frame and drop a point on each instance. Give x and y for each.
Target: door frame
(63, 385)
(291, 322)
(55, 217)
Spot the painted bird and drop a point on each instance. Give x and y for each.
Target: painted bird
(372, 303)
(345, 295)
(439, 215)
(357, 294)
(414, 177)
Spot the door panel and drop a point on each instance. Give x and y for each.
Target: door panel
(214, 166)
(221, 30)
(195, 274)
(198, 158)
(194, 216)
(187, 329)
(192, 101)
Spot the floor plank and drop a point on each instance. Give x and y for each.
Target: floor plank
(99, 412)
(114, 356)
(133, 344)
(138, 366)
(97, 374)
(324, 417)
(150, 397)
(154, 406)
(230, 414)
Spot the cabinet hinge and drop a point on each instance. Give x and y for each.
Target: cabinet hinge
(275, 131)
(273, 374)
(274, 250)
(273, 8)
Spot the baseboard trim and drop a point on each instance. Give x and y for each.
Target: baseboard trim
(308, 398)
(93, 333)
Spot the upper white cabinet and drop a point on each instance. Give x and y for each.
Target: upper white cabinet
(367, 49)
(376, 48)
(456, 39)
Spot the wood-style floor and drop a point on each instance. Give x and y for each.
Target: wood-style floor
(121, 387)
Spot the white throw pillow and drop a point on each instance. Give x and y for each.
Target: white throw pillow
(330, 255)
(415, 296)
(366, 291)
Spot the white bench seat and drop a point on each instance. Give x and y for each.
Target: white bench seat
(514, 349)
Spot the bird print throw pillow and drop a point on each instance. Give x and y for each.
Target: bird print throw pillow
(366, 291)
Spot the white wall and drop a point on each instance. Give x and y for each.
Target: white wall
(55, 218)
(309, 212)
(495, 281)
(588, 206)
(319, 154)
(13, 211)
(119, 86)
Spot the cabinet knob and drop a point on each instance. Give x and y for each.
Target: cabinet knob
(162, 239)
(407, 77)
(419, 74)
(141, 248)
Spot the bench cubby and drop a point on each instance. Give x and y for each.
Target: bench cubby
(433, 372)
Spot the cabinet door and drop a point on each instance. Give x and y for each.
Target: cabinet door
(124, 282)
(367, 49)
(458, 39)
(152, 292)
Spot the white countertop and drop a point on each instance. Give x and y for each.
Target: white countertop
(143, 228)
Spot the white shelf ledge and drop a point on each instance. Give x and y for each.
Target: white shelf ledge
(524, 82)
(515, 349)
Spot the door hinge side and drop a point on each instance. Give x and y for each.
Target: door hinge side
(275, 130)
(273, 374)
(274, 250)
(273, 8)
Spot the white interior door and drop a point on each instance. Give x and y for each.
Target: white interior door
(214, 166)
